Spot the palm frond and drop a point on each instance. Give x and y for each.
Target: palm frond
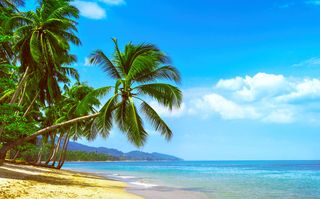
(91, 99)
(104, 120)
(134, 129)
(164, 72)
(98, 57)
(156, 120)
(165, 94)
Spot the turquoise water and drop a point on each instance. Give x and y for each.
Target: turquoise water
(219, 179)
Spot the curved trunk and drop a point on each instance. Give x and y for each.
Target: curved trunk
(16, 155)
(43, 131)
(52, 148)
(54, 155)
(20, 85)
(31, 104)
(3, 152)
(63, 152)
(38, 161)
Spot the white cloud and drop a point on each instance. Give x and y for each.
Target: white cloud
(307, 89)
(113, 2)
(227, 109)
(230, 84)
(255, 87)
(280, 116)
(90, 9)
(271, 98)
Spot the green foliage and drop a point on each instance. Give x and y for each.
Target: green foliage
(138, 72)
(42, 42)
(88, 156)
(13, 124)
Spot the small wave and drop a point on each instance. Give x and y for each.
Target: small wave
(143, 184)
(126, 177)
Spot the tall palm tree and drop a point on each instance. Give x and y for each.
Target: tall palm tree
(43, 44)
(137, 73)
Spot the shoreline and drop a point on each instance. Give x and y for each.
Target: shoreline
(140, 187)
(26, 181)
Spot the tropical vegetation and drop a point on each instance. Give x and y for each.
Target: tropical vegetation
(44, 104)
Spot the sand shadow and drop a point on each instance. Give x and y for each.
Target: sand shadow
(13, 172)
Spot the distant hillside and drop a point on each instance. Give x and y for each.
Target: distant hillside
(133, 155)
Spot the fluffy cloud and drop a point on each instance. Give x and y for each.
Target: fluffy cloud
(256, 87)
(113, 2)
(227, 109)
(263, 97)
(90, 9)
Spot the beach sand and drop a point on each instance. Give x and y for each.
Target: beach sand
(29, 182)
(160, 192)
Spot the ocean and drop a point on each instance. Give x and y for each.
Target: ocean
(218, 179)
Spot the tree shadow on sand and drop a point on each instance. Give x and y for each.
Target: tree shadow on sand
(38, 175)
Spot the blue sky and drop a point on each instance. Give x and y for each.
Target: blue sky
(250, 69)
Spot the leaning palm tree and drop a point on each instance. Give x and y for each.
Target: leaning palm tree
(137, 73)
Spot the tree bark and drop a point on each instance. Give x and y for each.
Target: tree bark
(63, 152)
(16, 155)
(3, 152)
(31, 104)
(54, 155)
(38, 161)
(16, 93)
(52, 148)
(42, 132)
(23, 93)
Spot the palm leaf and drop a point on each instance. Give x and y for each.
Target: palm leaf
(164, 72)
(90, 99)
(104, 120)
(98, 57)
(156, 120)
(134, 130)
(165, 94)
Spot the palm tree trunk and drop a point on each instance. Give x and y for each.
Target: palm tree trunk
(54, 155)
(16, 155)
(52, 148)
(43, 131)
(20, 85)
(38, 161)
(63, 152)
(23, 93)
(3, 152)
(31, 104)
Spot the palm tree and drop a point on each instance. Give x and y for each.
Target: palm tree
(68, 108)
(11, 4)
(137, 72)
(43, 45)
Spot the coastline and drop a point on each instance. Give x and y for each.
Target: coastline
(140, 187)
(27, 181)
(24, 181)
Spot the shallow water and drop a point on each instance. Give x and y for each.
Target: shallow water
(218, 179)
